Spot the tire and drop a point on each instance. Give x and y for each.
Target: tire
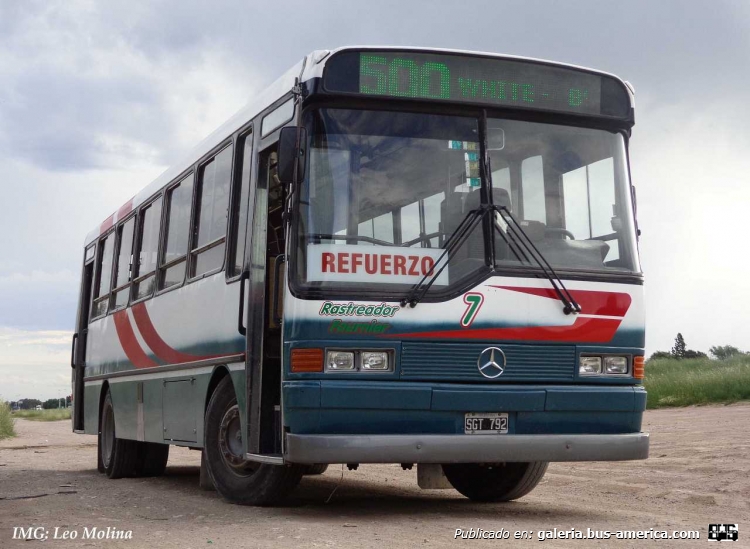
(118, 456)
(315, 469)
(237, 480)
(152, 459)
(99, 462)
(495, 482)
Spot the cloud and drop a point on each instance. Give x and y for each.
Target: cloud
(34, 364)
(89, 116)
(99, 100)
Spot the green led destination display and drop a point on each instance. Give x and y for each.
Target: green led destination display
(476, 80)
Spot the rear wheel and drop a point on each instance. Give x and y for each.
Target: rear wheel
(236, 479)
(118, 456)
(495, 481)
(152, 459)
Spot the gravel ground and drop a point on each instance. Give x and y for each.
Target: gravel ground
(698, 473)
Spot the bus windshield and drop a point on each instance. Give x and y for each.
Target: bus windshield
(383, 191)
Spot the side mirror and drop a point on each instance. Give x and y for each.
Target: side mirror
(291, 153)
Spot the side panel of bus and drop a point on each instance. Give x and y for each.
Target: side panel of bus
(160, 355)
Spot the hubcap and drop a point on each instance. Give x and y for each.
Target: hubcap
(230, 443)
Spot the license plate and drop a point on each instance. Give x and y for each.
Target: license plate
(485, 424)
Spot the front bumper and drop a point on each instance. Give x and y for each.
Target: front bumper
(464, 448)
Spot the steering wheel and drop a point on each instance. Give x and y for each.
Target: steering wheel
(558, 230)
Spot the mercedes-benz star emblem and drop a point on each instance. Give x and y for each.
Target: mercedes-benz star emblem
(491, 362)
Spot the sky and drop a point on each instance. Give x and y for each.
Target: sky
(97, 98)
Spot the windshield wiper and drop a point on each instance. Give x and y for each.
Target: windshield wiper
(570, 305)
(520, 244)
(457, 239)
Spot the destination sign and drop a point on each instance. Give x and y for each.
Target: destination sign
(471, 79)
(373, 264)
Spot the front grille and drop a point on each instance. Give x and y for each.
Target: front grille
(458, 362)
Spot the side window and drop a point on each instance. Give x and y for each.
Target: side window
(432, 217)
(532, 177)
(410, 222)
(240, 209)
(501, 180)
(103, 276)
(590, 207)
(380, 228)
(123, 270)
(211, 208)
(602, 197)
(421, 219)
(576, 201)
(148, 236)
(279, 116)
(179, 199)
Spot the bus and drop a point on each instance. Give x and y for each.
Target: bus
(391, 255)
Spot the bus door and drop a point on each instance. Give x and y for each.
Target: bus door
(265, 305)
(78, 352)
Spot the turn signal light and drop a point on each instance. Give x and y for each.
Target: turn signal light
(639, 367)
(307, 360)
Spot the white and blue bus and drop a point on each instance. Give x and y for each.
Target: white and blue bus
(393, 255)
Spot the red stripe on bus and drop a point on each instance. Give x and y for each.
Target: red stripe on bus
(583, 330)
(125, 209)
(591, 302)
(152, 338)
(107, 224)
(129, 343)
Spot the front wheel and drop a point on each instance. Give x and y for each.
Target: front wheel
(236, 479)
(495, 481)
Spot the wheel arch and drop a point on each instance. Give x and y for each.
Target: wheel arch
(102, 395)
(237, 379)
(219, 373)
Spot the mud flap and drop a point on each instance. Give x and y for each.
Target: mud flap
(205, 481)
(430, 477)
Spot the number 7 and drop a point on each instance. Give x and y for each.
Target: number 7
(474, 301)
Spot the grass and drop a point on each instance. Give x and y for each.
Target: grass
(44, 415)
(7, 429)
(686, 382)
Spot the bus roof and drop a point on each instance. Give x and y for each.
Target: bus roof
(311, 66)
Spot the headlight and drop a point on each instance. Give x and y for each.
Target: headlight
(372, 360)
(615, 365)
(589, 365)
(339, 360)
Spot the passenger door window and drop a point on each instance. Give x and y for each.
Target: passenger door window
(104, 276)
(241, 209)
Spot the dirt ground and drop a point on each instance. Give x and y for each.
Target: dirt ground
(698, 473)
